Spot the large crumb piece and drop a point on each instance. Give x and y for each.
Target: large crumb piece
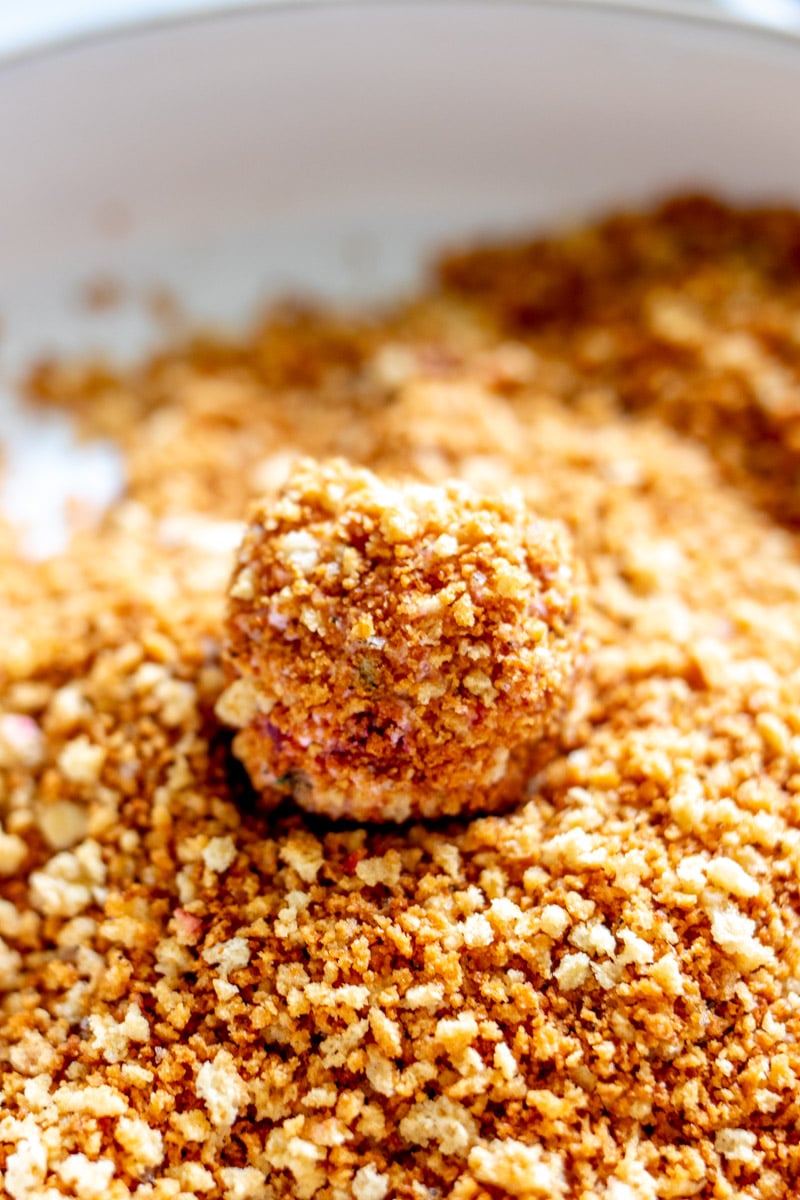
(396, 649)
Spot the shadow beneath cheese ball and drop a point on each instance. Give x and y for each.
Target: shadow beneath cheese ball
(284, 814)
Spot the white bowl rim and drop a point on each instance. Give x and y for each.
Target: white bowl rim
(108, 28)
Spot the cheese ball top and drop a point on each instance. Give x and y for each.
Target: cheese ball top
(396, 650)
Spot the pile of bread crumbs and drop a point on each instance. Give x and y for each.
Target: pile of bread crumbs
(594, 996)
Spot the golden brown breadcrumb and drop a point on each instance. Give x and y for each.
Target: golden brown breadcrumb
(592, 997)
(396, 650)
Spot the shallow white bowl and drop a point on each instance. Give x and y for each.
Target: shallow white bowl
(329, 146)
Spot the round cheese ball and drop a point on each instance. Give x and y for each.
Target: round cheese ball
(396, 650)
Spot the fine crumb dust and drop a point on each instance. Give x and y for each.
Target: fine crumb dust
(594, 996)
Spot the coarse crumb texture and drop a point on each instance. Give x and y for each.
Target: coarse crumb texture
(396, 650)
(594, 996)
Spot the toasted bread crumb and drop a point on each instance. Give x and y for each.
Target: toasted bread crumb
(591, 996)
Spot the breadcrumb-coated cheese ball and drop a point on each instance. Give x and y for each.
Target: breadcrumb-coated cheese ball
(396, 650)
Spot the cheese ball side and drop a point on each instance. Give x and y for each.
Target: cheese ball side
(396, 650)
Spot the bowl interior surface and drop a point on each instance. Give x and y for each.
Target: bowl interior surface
(329, 148)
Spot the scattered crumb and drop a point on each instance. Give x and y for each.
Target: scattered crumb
(102, 293)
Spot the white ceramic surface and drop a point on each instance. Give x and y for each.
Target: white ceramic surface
(330, 147)
(36, 22)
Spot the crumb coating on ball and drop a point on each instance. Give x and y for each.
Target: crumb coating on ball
(397, 650)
